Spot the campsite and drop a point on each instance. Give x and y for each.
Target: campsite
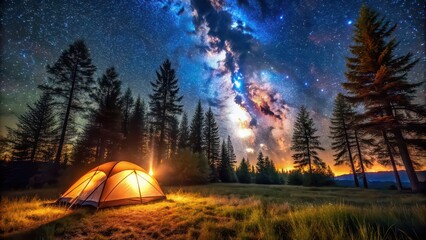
(225, 211)
(213, 119)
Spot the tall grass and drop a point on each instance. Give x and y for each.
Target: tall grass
(242, 212)
(23, 213)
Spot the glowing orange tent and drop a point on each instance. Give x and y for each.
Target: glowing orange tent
(113, 184)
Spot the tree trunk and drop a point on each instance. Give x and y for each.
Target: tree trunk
(162, 129)
(308, 151)
(350, 156)
(364, 177)
(67, 114)
(406, 160)
(97, 149)
(392, 160)
(101, 151)
(403, 151)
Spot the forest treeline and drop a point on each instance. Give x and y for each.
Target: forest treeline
(376, 120)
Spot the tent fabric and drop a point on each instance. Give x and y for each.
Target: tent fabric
(113, 184)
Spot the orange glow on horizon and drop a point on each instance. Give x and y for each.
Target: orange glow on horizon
(341, 170)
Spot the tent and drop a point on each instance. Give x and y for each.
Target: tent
(113, 184)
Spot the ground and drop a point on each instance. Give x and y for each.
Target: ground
(224, 211)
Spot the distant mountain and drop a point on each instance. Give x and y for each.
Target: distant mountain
(384, 176)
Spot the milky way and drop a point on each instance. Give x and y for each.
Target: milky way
(254, 62)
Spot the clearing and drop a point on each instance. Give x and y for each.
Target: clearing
(224, 211)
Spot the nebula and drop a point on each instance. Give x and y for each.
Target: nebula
(256, 111)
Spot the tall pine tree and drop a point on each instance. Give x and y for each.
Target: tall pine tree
(232, 158)
(183, 133)
(128, 103)
(135, 142)
(164, 105)
(108, 115)
(224, 169)
(305, 143)
(211, 143)
(196, 130)
(71, 81)
(377, 79)
(36, 131)
(342, 136)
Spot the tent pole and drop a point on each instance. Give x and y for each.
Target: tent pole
(106, 181)
(139, 188)
(78, 196)
(151, 184)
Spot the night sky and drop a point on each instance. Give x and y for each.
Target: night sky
(254, 62)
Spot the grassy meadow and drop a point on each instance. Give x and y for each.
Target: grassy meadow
(224, 211)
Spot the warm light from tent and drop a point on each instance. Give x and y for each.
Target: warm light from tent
(151, 173)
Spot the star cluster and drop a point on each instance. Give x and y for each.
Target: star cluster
(254, 62)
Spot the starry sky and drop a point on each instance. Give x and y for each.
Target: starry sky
(254, 62)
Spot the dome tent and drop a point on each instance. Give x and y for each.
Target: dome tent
(113, 184)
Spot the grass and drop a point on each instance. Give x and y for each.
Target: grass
(23, 213)
(228, 211)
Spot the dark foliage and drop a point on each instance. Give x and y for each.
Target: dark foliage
(243, 172)
(36, 132)
(305, 143)
(266, 172)
(211, 141)
(196, 130)
(342, 136)
(135, 145)
(183, 142)
(164, 106)
(127, 103)
(184, 169)
(70, 82)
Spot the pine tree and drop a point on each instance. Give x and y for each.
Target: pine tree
(70, 81)
(224, 168)
(232, 158)
(128, 103)
(231, 153)
(341, 134)
(164, 105)
(86, 149)
(196, 130)
(137, 132)
(377, 79)
(261, 176)
(36, 130)
(271, 172)
(305, 143)
(243, 172)
(252, 173)
(211, 143)
(108, 115)
(183, 133)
